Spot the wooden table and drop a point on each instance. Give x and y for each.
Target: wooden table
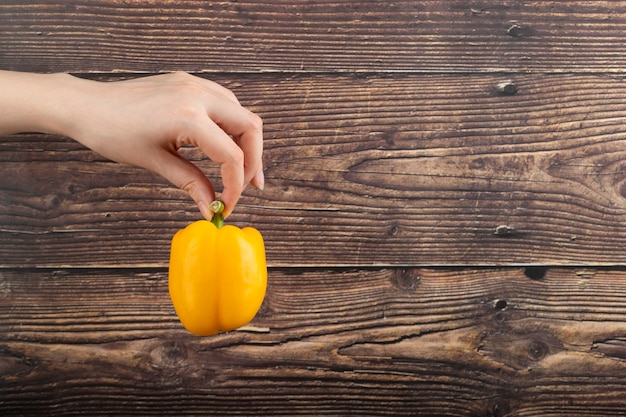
(444, 213)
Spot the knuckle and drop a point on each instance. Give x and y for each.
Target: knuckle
(182, 75)
(255, 121)
(189, 185)
(236, 155)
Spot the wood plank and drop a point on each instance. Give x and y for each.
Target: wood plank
(400, 137)
(296, 36)
(402, 170)
(432, 342)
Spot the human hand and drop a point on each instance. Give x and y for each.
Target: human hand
(144, 122)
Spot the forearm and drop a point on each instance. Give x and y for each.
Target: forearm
(38, 102)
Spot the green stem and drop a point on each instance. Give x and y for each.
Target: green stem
(217, 207)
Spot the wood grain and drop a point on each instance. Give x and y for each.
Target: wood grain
(304, 36)
(402, 170)
(432, 342)
(410, 147)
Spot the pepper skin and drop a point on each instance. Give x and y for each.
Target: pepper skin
(217, 276)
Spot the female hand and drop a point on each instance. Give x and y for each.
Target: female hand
(144, 122)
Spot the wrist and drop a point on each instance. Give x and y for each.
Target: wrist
(63, 100)
(44, 103)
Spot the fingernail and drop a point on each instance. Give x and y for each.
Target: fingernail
(205, 210)
(259, 180)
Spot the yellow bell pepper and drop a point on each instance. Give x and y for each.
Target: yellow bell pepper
(217, 275)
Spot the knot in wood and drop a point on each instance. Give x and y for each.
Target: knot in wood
(506, 88)
(538, 350)
(536, 272)
(406, 279)
(504, 230)
(622, 189)
(521, 348)
(168, 354)
(514, 30)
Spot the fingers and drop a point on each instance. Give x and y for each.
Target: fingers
(232, 136)
(251, 142)
(229, 134)
(187, 177)
(219, 89)
(258, 180)
(239, 159)
(246, 129)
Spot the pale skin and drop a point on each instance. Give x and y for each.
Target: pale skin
(144, 122)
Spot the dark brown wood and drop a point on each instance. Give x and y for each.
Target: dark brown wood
(406, 170)
(306, 36)
(382, 342)
(411, 147)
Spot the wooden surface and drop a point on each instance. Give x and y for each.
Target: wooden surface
(444, 213)
(340, 341)
(308, 37)
(411, 169)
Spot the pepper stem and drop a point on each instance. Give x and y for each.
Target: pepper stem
(217, 207)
